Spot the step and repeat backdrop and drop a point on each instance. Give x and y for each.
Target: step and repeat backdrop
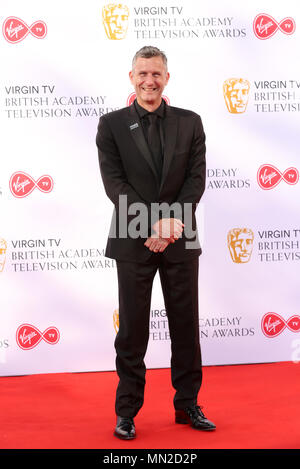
(65, 64)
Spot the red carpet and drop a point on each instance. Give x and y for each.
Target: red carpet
(253, 406)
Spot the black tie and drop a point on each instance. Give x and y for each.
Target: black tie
(154, 142)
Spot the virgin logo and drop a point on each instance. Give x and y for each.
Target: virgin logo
(273, 324)
(265, 26)
(29, 336)
(269, 177)
(132, 97)
(21, 184)
(15, 30)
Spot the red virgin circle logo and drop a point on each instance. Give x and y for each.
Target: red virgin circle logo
(273, 324)
(21, 184)
(264, 26)
(29, 336)
(15, 30)
(132, 97)
(268, 176)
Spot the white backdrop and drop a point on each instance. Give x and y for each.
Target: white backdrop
(238, 67)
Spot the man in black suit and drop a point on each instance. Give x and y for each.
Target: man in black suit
(152, 162)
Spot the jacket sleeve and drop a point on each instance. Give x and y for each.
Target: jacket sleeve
(111, 167)
(194, 184)
(114, 177)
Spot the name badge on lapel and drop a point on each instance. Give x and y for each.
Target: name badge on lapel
(133, 126)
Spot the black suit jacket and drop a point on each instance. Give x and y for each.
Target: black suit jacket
(127, 168)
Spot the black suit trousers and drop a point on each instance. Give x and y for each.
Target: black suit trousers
(179, 283)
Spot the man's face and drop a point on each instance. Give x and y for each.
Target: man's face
(149, 78)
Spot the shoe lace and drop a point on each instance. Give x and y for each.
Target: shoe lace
(196, 411)
(126, 423)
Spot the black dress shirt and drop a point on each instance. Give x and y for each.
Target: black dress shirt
(160, 112)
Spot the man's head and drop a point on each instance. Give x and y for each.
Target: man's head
(149, 76)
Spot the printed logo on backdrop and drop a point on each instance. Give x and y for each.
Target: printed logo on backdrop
(4, 344)
(15, 30)
(212, 327)
(225, 326)
(29, 336)
(132, 97)
(268, 96)
(264, 26)
(158, 326)
(115, 20)
(271, 245)
(240, 244)
(268, 176)
(3, 249)
(21, 184)
(53, 254)
(167, 22)
(272, 324)
(226, 179)
(116, 320)
(236, 94)
(37, 101)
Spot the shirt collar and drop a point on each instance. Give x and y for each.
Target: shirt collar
(142, 112)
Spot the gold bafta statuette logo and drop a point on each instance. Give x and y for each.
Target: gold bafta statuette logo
(3, 248)
(115, 20)
(240, 244)
(236, 94)
(116, 320)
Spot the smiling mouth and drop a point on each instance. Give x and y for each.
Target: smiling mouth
(149, 89)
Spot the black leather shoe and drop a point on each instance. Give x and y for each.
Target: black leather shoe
(125, 428)
(195, 417)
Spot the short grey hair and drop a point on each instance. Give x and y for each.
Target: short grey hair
(147, 52)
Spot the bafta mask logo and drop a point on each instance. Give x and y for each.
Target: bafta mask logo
(236, 94)
(115, 20)
(116, 320)
(240, 244)
(3, 248)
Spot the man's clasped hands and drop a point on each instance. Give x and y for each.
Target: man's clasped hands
(166, 231)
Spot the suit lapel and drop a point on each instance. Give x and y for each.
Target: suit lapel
(136, 132)
(170, 128)
(170, 137)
